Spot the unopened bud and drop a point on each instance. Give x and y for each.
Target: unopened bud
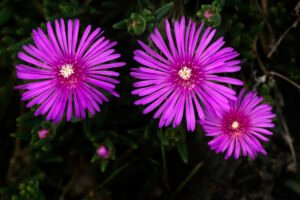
(103, 152)
(43, 133)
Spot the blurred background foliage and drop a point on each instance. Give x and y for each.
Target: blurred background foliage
(144, 162)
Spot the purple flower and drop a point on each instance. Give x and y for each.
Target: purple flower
(238, 131)
(180, 79)
(66, 72)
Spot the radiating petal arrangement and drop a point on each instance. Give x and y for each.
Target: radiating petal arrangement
(65, 73)
(180, 78)
(179, 75)
(239, 130)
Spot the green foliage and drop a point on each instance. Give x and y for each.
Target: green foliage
(29, 190)
(175, 137)
(137, 23)
(163, 11)
(146, 162)
(5, 15)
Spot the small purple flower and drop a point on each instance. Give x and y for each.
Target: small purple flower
(66, 72)
(103, 152)
(238, 131)
(180, 79)
(43, 134)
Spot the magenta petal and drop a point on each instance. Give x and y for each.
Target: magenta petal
(245, 122)
(67, 72)
(184, 62)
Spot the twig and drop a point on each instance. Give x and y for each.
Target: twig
(272, 73)
(263, 68)
(264, 11)
(13, 160)
(294, 25)
(187, 179)
(181, 7)
(260, 63)
(285, 78)
(287, 135)
(70, 184)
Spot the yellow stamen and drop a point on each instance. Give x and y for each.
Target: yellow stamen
(185, 73)
(66, 70)
(235, 125)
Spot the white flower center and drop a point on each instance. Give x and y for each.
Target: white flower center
(235, 125)
(185, 73)
(66, 70)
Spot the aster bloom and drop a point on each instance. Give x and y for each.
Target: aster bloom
(239, 130)
(66, 72)
(180, 78)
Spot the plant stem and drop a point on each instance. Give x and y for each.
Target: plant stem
(272, 73)
(294, 25)
(187, 179)
(285, 78)
(116, 172)
(163, 155)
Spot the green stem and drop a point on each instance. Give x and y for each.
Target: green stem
(163, 154)
(116, 172)
(187, 179)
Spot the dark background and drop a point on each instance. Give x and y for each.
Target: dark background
(65, 165)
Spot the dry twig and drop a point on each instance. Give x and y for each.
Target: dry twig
(294, 25)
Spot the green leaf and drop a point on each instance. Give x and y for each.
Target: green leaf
(111, 148)
(162, 137)
(109, 4)
(8, 40)
(5, 15)
(103, 165)
(256, 29)
(68, 9)
(236, 41)
(51, 158)
(95, 158)
(27, 120)
(40, 143)
(146, 132)
(147, 13)
(183, 152)
(21, 136)
(218, 4)
(144, 3)
(47, 147)
(120, 25)
(293, 185)
(163, 11)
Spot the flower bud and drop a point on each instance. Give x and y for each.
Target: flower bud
(103, 152)
(43, 133)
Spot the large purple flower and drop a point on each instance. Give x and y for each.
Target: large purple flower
(180, 79)
(239, 129)
(65, 75)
